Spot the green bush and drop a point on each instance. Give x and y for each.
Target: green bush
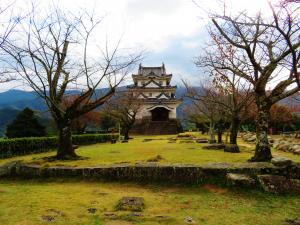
(29, 145)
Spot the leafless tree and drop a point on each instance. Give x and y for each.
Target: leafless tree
(266, 55)
(232, 93)
(285, 2)
(53, 54)
(124, 107)
(8, 22)
(203, 103)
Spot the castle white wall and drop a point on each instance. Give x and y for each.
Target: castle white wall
(140, 83)
(154, 94)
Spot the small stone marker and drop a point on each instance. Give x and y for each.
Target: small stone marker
(189, 220)
(92, 210)
(243, 180)
(131, 204)
(281, 161)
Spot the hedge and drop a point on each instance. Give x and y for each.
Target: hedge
(29, 145)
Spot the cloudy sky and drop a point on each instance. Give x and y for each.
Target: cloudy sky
(171, 31)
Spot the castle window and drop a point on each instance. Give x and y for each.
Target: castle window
(150, 94)
(160, 82)
(143, 83)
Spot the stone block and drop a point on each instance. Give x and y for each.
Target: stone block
(240, 180)
(214, 147)
(200, 140)
(279, 184)
(297, 152)
(281, 161)
(131, 204)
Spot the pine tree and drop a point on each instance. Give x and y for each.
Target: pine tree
(25, 124)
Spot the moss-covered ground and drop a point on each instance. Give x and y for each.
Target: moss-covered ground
(93, 203)
(150, 148)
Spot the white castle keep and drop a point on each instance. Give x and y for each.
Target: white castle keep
(158, 101)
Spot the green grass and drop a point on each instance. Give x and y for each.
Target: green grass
(28, 202)
(139, 151)
(67, 202)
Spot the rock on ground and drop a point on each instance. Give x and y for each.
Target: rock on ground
(292, 221)
(189, 220)
(281, 161)
(214, 146)
(241, 180)
(131, 204)
(279, 184)
(201, 140)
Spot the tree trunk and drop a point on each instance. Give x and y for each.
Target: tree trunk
(65, 145)
(220, 133)
(126, 134)
(212, 132)
(262, 150)
(234, 129)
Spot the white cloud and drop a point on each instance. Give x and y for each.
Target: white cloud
(168, 29)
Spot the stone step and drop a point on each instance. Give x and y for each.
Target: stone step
(240, 180)
(279, 184)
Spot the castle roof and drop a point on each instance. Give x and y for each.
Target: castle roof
(155, 71)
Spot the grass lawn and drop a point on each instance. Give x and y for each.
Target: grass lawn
(139, 151)
(67, 202)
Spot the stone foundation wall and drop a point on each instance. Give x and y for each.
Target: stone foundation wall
(152, 172)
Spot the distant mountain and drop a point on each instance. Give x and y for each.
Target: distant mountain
(14, 101)
(19, 100)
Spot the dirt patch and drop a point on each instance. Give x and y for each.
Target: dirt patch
(214, 189)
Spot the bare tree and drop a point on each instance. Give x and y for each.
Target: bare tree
(266, 55)
(8, 22)
(124, 107)
(285, 2)
(80, 123)
(232, 92)
(53, 54)
(204, 104)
